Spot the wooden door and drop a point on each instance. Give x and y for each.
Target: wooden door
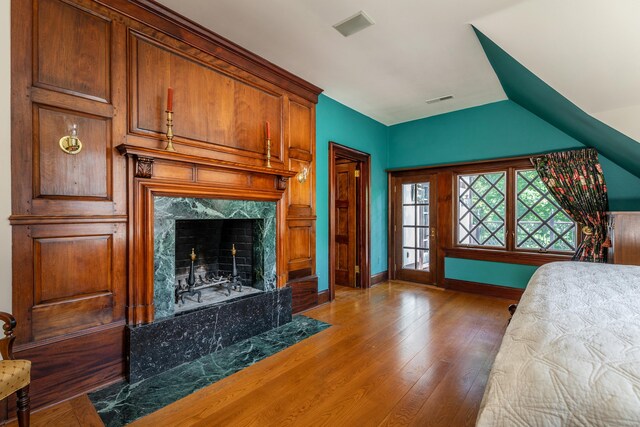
(345, 214)
(414, 236)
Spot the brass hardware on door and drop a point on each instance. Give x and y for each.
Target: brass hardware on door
(433, 232)
(71, 144)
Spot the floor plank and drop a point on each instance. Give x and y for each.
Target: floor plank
(397, 354)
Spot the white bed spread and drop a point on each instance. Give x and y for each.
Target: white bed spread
(571, 355)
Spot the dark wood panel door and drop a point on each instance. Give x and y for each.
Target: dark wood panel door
(345, 214)
(414, 234)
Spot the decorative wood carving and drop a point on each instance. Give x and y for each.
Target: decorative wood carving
(282, 182)
(144, 167)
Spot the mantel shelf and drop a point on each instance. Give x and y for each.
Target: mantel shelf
(151, 153)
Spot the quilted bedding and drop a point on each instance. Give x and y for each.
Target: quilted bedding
(571, 355)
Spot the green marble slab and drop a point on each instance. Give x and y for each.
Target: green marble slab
(169, 209)
(122, 403)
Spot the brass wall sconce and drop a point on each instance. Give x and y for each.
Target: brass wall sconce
(302, 175)
(71, 144)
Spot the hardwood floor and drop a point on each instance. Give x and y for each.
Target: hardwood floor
(397, 354)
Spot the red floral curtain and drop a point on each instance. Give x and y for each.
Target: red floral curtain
(575, 179)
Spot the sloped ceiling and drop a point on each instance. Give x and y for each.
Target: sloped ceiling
(526, 89)
(587, 50)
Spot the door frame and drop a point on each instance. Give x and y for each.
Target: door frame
(392, 236)
(363, 231)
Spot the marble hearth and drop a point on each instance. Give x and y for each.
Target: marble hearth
(178, 335)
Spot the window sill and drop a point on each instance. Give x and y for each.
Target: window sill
(510, 257)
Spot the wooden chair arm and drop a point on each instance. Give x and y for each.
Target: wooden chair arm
(6, 343)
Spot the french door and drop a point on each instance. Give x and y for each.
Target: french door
(414, 228)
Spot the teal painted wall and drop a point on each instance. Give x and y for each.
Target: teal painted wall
(510, 275)
(501, 129)
(497, 130)
(340, 124)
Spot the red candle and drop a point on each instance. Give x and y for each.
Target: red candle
(268, 130)
(170, 99)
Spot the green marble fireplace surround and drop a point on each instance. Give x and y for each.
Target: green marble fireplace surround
(169, 209)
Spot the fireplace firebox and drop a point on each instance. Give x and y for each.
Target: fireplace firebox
(216, 261)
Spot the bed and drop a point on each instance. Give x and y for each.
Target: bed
(571, 354)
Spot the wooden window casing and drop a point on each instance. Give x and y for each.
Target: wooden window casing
(446, 198)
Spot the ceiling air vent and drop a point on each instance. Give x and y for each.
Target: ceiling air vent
(353, 24)
(439, 99)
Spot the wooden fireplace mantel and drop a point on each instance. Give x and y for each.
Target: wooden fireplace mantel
(145, 157)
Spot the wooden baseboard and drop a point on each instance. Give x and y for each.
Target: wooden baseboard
(323, 296)
(381, 277)
(304, 293)
(483, 289)
(66, 368)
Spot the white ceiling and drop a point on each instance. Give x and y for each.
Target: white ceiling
(417, 50)
(588, 50)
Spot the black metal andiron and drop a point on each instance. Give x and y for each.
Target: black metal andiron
(228, 283)
(190, 289)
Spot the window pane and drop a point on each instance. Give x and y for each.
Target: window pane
(409, 237)
(409, 215)
(409, 259)
(408, 193)
(423, 260)
(423, 215)
(422, 192)
(540, 222)
(423, 238)
(482, 209)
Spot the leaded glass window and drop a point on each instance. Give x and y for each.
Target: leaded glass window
(482, 209)
(540, 222)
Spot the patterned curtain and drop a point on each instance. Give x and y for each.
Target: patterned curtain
(575, 179)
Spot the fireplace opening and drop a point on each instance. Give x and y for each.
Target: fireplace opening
(216, 260)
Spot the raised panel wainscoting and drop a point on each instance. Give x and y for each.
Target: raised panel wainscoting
(83, 248)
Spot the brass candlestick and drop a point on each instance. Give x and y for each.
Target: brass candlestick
(169, 146)
(268, 152)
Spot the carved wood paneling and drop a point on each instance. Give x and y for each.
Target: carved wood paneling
(301, 244)
(70, 38)
(86, 174)
(76, 280)
(71, 266)
(236, 111)
(300, 130)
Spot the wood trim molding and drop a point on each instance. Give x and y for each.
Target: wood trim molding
(511, 257)
(364, 220)
(323, 297)
(150, 154)
(378, 278)
(484, 289)
(524, 161)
